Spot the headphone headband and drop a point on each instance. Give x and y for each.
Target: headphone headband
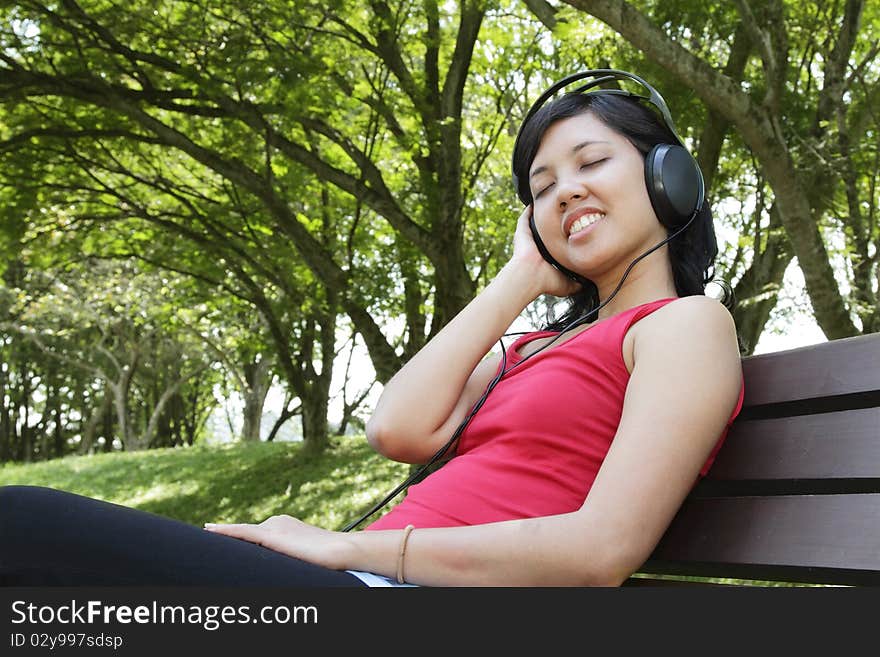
(601, 76)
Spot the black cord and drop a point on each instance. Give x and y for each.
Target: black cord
(502, 371)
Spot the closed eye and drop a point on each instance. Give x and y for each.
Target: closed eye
(586, 165)
(538, 194)
(593, 163)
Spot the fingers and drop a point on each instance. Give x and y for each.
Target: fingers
(524, 216)
(261, 533)
(247, 532)
(522, 236)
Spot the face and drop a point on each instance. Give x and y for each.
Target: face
(590, 201)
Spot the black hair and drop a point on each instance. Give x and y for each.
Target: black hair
(692, 253)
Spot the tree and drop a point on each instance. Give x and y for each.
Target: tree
(231, 116)
(797, 86)
(107, 324)
(93, 356)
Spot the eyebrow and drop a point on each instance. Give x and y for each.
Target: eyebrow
(574, 150)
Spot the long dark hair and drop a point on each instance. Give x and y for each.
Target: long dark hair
(692, 253)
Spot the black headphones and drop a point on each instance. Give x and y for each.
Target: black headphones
(672, 176)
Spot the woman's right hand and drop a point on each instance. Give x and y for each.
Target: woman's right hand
(425, 402)
(527, 256)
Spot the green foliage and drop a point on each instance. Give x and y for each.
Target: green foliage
(317, 164)
(234, 483)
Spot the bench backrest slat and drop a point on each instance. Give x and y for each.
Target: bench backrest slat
(818, 538)
(839, 367)
(827, 445)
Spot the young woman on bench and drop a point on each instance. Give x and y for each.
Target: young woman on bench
(571, 450)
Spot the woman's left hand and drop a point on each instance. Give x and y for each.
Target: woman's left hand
(292, 537)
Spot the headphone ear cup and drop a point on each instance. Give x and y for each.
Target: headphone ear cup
(675, 184)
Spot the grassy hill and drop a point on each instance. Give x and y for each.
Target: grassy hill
(231, 483)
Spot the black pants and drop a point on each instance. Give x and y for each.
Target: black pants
(50, 537)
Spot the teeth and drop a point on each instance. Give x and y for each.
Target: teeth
(586, 220)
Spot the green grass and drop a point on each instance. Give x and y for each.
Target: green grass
(232, 483)
(728, 580)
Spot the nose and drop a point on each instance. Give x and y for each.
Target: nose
(570, 190)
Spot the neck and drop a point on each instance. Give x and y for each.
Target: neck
(650, 279)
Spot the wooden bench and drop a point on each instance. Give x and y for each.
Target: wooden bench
(794, 494)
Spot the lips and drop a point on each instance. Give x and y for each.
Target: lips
(569, 220)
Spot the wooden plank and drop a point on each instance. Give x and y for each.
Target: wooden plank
(845, 444)
(807, 538)
(838, 367)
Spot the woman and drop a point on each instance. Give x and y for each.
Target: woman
(573, 467)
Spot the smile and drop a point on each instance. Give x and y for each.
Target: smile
(585, 222)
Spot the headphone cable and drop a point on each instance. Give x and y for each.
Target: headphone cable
(501, 372)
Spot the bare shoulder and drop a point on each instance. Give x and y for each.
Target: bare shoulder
(697, 311)
(695, 325)
(689, 325)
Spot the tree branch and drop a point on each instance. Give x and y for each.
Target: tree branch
(715, 89)
(544, 12)
(387, 48)
(760, 39)
(835, 78)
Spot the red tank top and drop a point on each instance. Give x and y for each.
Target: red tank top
(536, 445)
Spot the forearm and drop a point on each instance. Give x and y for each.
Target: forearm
(422, 395)
(548, 551)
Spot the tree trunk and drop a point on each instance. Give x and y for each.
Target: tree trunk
(259, 379)
(58, 432)
(99, 412)
(316, 400)
(121, 390)
(759, 289)
(314, 423)
(25, 403)
(5, 421)
(108, 428)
